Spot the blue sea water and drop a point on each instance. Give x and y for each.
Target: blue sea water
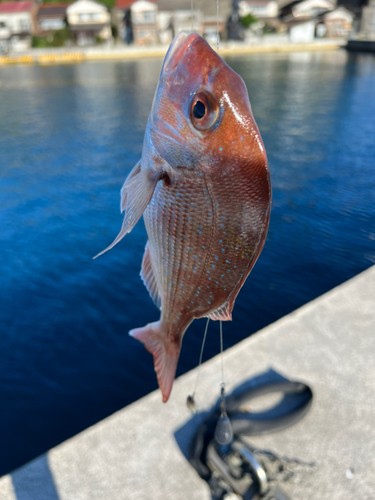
(68, 137)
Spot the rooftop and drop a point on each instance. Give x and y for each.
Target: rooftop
(13, 7)
(126, 4)
(53, 10)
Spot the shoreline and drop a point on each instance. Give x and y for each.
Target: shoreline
(66, 56)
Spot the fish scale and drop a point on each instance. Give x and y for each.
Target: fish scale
(177, 245)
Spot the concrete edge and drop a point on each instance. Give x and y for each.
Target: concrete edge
(110, 55)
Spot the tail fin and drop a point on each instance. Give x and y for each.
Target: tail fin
(165, 352)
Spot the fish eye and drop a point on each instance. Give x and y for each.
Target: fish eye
(204, 111)
(199, 110)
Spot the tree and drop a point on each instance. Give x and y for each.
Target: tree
(246, 21)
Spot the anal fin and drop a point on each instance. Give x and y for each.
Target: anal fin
(223, 313)
(148, 277)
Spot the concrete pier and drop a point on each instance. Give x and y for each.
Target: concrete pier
(76, 55)
(138, 453)
(361, 46)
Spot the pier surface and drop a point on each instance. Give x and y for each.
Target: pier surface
(137, 453)
(75, 55)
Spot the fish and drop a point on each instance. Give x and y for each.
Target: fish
(203, 187)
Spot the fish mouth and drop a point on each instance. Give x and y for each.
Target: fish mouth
(177, 48)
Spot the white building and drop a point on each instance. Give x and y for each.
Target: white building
(258, 8)
(143, 18)
(4, 38)
(311, 8)
(87, 20)
(302, 32)
(18, 19)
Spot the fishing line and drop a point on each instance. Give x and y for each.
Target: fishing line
(223, 430)
(192, 16)
(217, 33)
(222, 355)
(190, 402)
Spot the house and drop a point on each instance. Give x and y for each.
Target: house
(143, 19)
(307, 9)
(137, 21)
(51, 17)
(258, 8)
(177, 15)
(4, 38)
(19, 18)
(301, 31)
(88, 21)
(339, 23)
(210, 27)
(311, 8)
(304, 19)
(368, 20)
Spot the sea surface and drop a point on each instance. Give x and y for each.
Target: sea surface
(69, 135)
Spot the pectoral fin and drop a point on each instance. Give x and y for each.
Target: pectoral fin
(136, 194)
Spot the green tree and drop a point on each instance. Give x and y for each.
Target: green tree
(56, 39)
(246, 21)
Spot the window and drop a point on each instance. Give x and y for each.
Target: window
(84, 17)
(24, 24)
(52, 24)
(87, 17)
(148, 17)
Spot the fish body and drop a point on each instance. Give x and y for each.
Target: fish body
(203, 187)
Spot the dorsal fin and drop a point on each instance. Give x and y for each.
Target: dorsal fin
(223, 313)
(148, 277)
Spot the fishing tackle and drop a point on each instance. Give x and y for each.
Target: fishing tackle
(237, 468)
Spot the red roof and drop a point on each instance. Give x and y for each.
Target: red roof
(12, 7)
(125, 4)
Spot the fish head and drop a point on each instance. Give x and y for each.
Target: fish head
(201, 114)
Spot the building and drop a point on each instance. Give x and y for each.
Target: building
(311, 8)
(89, 21)
(137, 21)
(18, 20)
(301, 31)
(304, 20)
(4, 38)
(339, 23)
(307, 9)
(143, 18)
(258, 8)
(177, 15)
(368, 20)
(51, 17)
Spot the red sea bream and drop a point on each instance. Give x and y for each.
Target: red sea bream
(203, 187)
